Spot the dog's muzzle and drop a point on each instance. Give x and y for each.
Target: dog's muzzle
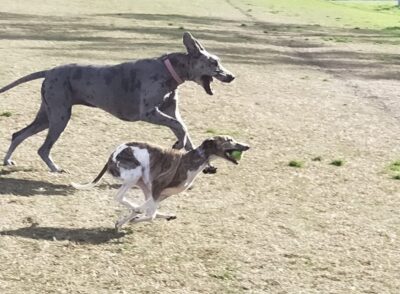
(225, 77)
(238, 147)
(222, 76)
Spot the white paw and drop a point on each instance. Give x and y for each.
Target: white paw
(9, 162)
(171, 217)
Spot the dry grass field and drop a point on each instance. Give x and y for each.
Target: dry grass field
(305, 92)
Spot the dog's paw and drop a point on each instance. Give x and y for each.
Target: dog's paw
(9, 162)
(210, 170)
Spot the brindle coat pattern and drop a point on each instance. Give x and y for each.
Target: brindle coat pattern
(168, 167)
(142, 90)
(170, 172)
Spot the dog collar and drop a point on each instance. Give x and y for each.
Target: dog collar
(172, 71)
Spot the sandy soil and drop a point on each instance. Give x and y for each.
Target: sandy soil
(260, 227)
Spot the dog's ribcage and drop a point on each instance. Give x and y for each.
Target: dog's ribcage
(133, 164)
(191, 175)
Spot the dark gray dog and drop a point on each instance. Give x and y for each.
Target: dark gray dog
(142, 90)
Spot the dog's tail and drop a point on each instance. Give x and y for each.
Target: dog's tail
(31, 77)
(93, 183)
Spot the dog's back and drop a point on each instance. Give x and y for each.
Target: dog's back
(135, 161)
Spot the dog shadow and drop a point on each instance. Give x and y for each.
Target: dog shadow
(79, 236)
(24, 187)
(7, 171)
(27, 188)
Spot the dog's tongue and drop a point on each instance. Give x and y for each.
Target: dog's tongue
(207, 84)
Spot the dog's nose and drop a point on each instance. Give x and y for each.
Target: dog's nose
(230, 78)
(246, 147)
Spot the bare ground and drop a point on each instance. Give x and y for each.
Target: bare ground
(260, 227)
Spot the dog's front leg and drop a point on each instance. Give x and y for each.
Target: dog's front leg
(186, 143)
(120, 197)
(170, 107)
(158, 117)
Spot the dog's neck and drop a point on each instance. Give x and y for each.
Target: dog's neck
(180, 64)
(196, 158)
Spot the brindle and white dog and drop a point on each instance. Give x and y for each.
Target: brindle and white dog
(160, 172)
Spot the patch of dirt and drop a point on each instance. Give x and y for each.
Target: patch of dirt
(259, 227)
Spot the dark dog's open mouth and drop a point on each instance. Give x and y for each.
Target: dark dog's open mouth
(206, 81)
(230, 155)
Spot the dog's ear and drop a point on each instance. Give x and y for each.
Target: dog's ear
(208, 143)
(193, 46)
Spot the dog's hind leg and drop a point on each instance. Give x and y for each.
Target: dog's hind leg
(136, 175)
(149, 208)
(120, 197)
(39, 124)
(58, 120)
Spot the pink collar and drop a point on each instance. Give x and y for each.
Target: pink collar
(172, 71)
